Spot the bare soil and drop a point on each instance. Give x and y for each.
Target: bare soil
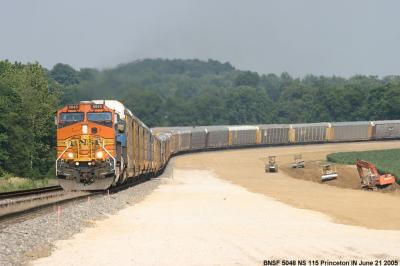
(195, 218)
(341, 199)
(347, 175)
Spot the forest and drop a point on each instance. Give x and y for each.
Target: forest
(175, 92)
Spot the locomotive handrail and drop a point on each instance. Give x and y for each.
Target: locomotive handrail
(59, 157)
(109, 154)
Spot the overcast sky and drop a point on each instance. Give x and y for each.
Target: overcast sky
(301, 37)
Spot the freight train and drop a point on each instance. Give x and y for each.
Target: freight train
(100, 143)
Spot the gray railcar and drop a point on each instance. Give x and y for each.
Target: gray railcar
(348, 131)
(274, 134)
(242, 135)
(217, 136)
(313, 132)
(198, 139)
(184, 139)
(387, 129)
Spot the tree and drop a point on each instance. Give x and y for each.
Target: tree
(27, 119)
(64, 74)
(14, 137)
(247, 78)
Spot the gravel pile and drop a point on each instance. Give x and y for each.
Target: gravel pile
(34, 238)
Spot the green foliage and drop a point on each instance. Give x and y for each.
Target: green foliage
(65, 74)
(386, 161)
(247, 78)
(27, 131)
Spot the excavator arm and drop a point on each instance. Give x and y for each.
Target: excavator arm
(361, 164)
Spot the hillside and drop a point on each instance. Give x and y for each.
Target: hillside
(193, 92)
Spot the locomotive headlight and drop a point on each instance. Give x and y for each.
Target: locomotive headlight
(99, 155)
(70, 155)
(84, 129)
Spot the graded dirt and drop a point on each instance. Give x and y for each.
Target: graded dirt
(341, 199)
(196, 218)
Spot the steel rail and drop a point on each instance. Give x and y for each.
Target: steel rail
(28, 192)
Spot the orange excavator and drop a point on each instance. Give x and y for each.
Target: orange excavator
(373, 179)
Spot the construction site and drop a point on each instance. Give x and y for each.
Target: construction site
(222, 207)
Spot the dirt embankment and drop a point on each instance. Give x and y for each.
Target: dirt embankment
(341, 199)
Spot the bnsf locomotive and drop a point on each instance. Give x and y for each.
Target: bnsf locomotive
(100, 143)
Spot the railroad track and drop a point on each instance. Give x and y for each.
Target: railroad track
(18, 206)
(28, 192)
(21, 203)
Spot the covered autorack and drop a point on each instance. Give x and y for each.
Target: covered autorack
(312, 132)
(198, 138)
(217, 136)
(274, 134)
(347, 131)
(386, 129)
(184, 139)
(242, 135)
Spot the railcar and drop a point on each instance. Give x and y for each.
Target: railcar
(305, 133)
(184, 138)
(274, 134)
(387, 129)
(217, 137)
(349, 131)
(198, 138)
(242, 135)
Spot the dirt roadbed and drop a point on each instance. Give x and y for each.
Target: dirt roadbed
(196, 218)
(221, 208)
(245, 167)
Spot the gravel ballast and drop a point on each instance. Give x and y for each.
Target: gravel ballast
(33, 238)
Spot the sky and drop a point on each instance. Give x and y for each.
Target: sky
(320, 37)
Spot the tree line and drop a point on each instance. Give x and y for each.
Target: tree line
(27, 105)
(175, 93)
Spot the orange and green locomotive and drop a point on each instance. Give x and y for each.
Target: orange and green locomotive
(100, 143)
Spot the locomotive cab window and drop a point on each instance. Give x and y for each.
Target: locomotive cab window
(103, 118)
(66, 119)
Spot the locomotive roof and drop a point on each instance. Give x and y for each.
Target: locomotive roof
(117, 106)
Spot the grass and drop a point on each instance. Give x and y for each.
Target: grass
(10, 183)
(387, 161)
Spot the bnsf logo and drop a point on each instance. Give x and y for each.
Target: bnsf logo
(271, 262)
